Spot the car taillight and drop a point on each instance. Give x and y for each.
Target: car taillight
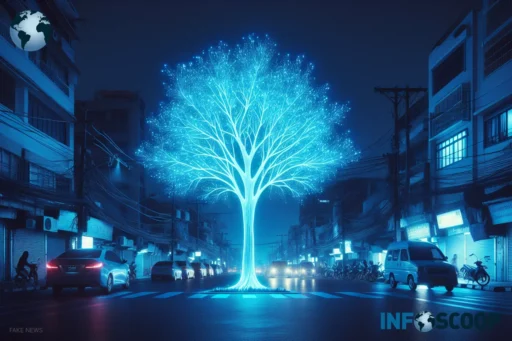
(94, 266)
(51, 266)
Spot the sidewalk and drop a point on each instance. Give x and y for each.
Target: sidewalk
(492, 286)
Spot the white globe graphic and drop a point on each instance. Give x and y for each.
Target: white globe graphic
(424, 321)
(30, 31)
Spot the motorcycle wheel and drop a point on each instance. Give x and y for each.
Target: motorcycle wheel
(483, 279)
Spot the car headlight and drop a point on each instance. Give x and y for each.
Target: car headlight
(313, 271)
(288, 270)
(273, 270)
(295, 272)
(303, 271)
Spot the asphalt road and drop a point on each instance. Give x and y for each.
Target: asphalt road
(318, 309)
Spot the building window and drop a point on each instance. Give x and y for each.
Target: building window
(42, 177)
(47, 121)
(9, 165)
(7, 89)
(498, 13)
(448, 69)
(498, 50)
(452, 150)
(63, 184)
(498, 128)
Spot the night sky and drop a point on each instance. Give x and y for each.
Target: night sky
(355, 45)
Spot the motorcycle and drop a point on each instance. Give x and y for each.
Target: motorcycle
(476, 274)
(133, 273)
(21, 280)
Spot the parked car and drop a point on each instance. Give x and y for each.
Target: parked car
(200, 270)
(81, 268)
(217, 269)
(187, 271)
(417, 263)
(307, 269)
(279, 269)
(209, 269)
(166, 269)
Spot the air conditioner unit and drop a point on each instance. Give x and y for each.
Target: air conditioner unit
(178, 214)
(187, 216)
(122, 241)
(49, 224)
(31, 224)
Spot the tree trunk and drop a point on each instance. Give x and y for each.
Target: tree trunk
(248, 278)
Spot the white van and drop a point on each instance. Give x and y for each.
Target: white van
(417, 263)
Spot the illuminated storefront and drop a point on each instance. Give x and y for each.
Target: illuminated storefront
(419, 232)
(457, 242)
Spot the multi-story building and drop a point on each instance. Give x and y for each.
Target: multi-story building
(36, 137)
(414, 192)
(470, 101)
(115, 122)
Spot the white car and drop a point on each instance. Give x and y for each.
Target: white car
(186, 269)
(166, 269)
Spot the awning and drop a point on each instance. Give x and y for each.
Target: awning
(501, 211)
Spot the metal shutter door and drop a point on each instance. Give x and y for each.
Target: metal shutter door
(509, 250)
(55, 246)
(481, 249)
(32, 241)
(455, 246)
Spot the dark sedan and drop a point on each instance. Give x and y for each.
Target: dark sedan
(307, 269)
(83, 268)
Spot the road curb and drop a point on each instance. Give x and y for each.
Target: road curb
(486, 288)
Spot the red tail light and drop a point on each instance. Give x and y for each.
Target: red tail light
(94, 266)
(51, 266)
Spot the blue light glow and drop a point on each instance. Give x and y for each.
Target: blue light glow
(240, 120)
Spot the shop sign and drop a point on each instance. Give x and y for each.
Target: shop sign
(501, 213)
(457, 230)
(450, 219)
(418, 231)
(98, 229)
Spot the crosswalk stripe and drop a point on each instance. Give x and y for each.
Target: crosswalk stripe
(117, 294)
(444, 303)
(482, 304)
(249, 296)
(198, 296)
(488, 299)
(297, 296)
(168, 294)
(277, 296)
(323, 294)
(220, 296)
(140, 294)
(356, 294)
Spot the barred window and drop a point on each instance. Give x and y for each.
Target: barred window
(498, 128)
(42, 177)
(452, 150)
(7, 89)
(9, 165)
(47, 121)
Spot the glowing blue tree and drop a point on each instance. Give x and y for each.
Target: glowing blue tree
(241, 121)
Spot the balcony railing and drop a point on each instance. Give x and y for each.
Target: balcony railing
(452, 109)
(51, 73)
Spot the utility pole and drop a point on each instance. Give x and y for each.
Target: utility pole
(282, 247)
(173, 222)
(395, 95)
(80, 186)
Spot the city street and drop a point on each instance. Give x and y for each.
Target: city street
(317, 309)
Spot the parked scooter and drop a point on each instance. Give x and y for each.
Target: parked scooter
(21, 281)
(478, 273)
(133, 272)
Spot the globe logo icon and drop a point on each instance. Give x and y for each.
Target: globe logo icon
(30, 31)
(424, 321)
